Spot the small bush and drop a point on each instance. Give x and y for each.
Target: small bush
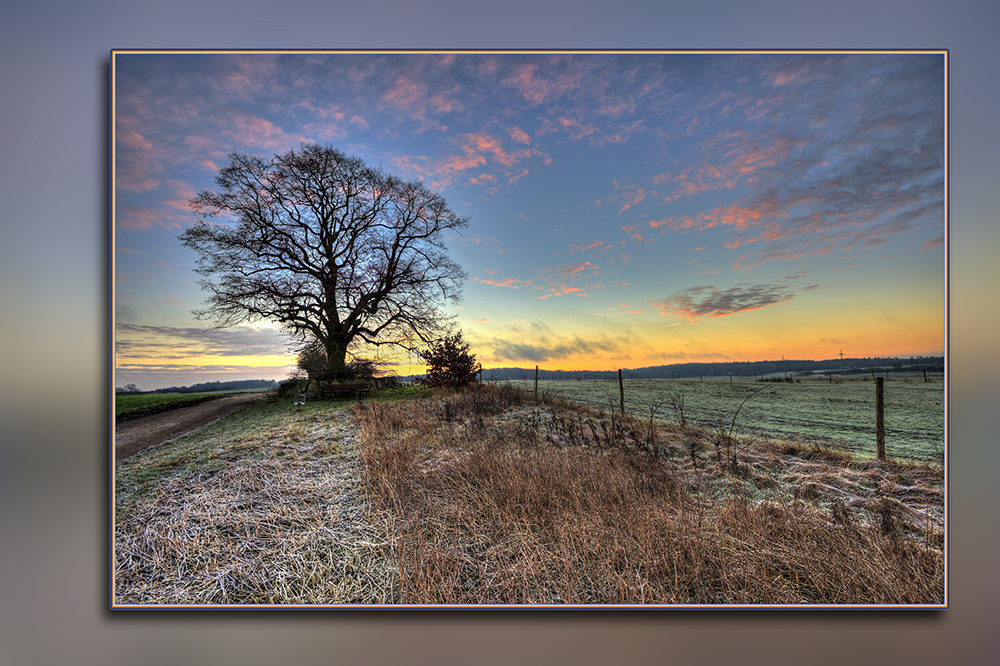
(289, 388)
(449, 363)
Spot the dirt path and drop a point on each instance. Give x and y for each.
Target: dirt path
(134, 436)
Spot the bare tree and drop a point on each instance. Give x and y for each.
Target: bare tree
(335, 251)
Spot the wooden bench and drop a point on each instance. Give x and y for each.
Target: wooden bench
(335, 390)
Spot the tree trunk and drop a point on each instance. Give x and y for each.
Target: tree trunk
(336, 358)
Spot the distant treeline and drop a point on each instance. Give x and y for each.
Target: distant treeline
(737, 369)
(206, 387)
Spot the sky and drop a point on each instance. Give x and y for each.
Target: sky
(626, 209)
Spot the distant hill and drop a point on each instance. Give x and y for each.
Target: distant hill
(737, 369)
(206, 387)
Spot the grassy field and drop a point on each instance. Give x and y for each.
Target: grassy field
(128, 407)
(839, 414)
(492, 497)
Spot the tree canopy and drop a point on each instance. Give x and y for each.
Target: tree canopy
(339, 253)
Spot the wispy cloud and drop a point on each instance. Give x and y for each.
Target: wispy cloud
(630, 196)
(822, 153)
(563, 280)
(139, 341)
(480, 152)
(578, 246)
(510, 283)
(708, 301)
(132, 218)
(519, 135)
(538, 343)
(547, 81)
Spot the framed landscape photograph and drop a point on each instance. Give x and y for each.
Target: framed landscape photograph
(520, 329)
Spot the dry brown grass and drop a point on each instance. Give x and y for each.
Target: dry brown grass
(496, 499)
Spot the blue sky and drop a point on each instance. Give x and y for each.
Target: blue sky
(627, 209)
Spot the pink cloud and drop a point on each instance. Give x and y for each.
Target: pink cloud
(442, 103)
(412, 96)
(247, 76)
(133, 218)
(579, 247)
(519, 135)
(129, 138)
(772, 254)
(632, 198)
(252, 130)
(183, 193)
(731, 158)
(483, 179)
(561, 289)
(483, 240)
(540, 83)
(478, 151)
(578, 268)
(617, 107)
(134, 181)
(633, 232)
(135, 156)
(572, 126)
(326, 113)
(785, 76)
(518, 177)
(405, 92)
(762, 215)
(508, 282)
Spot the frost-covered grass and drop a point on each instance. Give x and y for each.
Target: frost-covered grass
(838, 414)
(489, 496)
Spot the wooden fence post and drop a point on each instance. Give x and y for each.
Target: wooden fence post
(621, 390)
(536, 382)
(880, 417)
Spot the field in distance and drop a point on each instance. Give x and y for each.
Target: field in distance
(812, 410)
